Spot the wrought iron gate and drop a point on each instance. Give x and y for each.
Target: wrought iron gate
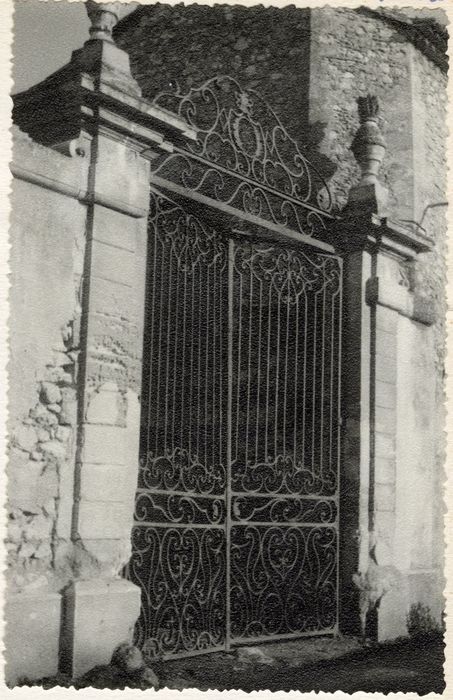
(236, 526)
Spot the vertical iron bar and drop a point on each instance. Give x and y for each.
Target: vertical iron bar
(198, 386)
(191, 373)
(240, 297)
(206, 370)
(157, 419)
(258, 374)
(268, 369)
(338, 432)
(304, 403)
(153, 231)
(214, 360)
(175, 358)
(313, 417)
(285, 386)
(323, 358)
(229, 425)
(277, 374)
(296, 392)
(168, 345)
(249, 369)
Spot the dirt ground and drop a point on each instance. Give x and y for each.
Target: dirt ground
(317, 664)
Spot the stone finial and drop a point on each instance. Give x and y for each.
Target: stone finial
(368, 145)
(103, 17)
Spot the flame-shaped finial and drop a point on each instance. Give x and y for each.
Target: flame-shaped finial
(368, 145)
(368, 108)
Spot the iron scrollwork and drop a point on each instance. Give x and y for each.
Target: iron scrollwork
(181, 573)
(283, 581)
(244, 157)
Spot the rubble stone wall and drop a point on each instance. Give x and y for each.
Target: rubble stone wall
(47, 239)
(47, 242)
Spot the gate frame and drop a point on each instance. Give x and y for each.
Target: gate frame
(225, 231)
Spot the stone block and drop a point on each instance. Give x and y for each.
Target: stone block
(385, 394)
(385, 421)
(101, 559)
(392, 614)
(426, 588)
(112, 263)
(101, 520)
(386, 369)
(32, 636)
(104, 444)
(384, 526)
(40, 528)
(386, 319)
(50, 393)
(47, 486)
(385, 470)
(54, 449)
(99, 615)
(113, 228)
(104, 482)
(122, 173)
(17, 459)
(68, 413)
(25, 437)
(384, 446)
(110, 298)
(386, 344)
(43, 417)
(384, 497)
(62, 359)
(22, 487)
(63, 433)
(103, 406)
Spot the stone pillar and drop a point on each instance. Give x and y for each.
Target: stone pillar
(92, 108)
(377, 255)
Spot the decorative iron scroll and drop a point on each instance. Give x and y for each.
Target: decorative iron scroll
(244, 157)
(181, 573)
(283, 581)
(246, 508)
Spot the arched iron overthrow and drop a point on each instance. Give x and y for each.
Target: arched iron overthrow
(243, 158)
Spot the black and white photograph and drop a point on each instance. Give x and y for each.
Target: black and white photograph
(226, 415)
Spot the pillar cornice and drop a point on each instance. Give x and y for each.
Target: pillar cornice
(92, 92)
(381, 234)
